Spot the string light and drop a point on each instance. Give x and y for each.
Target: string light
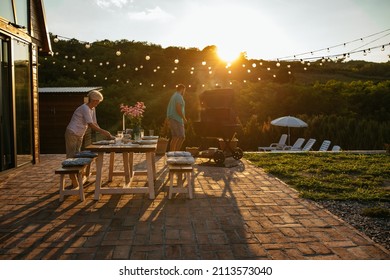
(344, 45)
(304, 61)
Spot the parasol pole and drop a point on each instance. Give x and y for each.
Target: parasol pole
(289, 136)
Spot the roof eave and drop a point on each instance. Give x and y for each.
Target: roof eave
(46, 48)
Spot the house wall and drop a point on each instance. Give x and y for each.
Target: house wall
(37, 38)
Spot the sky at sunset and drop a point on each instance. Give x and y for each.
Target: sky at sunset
(264, 29)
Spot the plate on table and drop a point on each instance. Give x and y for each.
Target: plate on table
(150, 138)
(147, 142)
(103, 142)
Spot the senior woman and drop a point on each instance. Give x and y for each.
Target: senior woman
(83, 117)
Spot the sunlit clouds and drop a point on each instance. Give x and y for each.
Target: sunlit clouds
(262, 29)
(112, 3)
(154, 14)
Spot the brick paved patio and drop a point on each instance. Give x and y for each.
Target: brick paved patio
(237, 213)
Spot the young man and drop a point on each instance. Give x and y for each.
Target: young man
(176, 118)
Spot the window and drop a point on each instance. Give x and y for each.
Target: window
(15, 11)
(7, 10)
(22, 12)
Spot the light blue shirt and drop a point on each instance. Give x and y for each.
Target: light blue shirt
(176, 98)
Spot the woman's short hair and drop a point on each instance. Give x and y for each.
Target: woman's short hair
(95, 95)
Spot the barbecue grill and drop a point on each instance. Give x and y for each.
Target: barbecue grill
(218, 121)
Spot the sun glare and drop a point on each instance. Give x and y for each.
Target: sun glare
(227, 54)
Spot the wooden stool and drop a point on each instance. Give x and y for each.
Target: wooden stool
(78, 171)
(180, 170)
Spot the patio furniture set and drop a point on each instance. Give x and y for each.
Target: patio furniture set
(179, 165)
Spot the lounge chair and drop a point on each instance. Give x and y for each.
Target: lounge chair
(336, 148)
(276, 146)
(296, 147)
(308, 145)
(324, 146)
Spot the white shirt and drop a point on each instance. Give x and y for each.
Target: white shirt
(82, 116)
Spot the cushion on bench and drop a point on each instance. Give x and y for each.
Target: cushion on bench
(179, 154)
(86, 154)
(76, 162)
(180, 160)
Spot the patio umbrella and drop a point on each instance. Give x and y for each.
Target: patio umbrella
(288, 121)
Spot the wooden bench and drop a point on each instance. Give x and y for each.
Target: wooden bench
(73, 170)
(183, 172)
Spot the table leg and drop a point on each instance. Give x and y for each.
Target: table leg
(111, 167)
(99, 171)
(154, 166)
(126, 167)
(131, 163)
(150, 170)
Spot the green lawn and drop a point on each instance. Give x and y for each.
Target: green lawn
(336, 176)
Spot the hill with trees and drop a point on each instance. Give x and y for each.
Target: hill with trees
(346, 102)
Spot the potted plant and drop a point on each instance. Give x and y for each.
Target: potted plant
(163, 140)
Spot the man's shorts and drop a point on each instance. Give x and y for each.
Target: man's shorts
(177, 128)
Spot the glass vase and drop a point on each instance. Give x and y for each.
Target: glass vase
(136, 132)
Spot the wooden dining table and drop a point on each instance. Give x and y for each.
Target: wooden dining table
(127, 151)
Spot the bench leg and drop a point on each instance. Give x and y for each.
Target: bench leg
(78, 190)
(180, 188)
(81, 187)
(73, 178)
(62, 186)
(88, 171)
(189, 176)
(170, 185)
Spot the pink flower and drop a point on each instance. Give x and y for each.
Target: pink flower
(134, 113)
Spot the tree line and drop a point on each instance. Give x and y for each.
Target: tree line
(345, 102)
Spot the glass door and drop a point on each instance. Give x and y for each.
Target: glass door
(23, 106)
(7, 150)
